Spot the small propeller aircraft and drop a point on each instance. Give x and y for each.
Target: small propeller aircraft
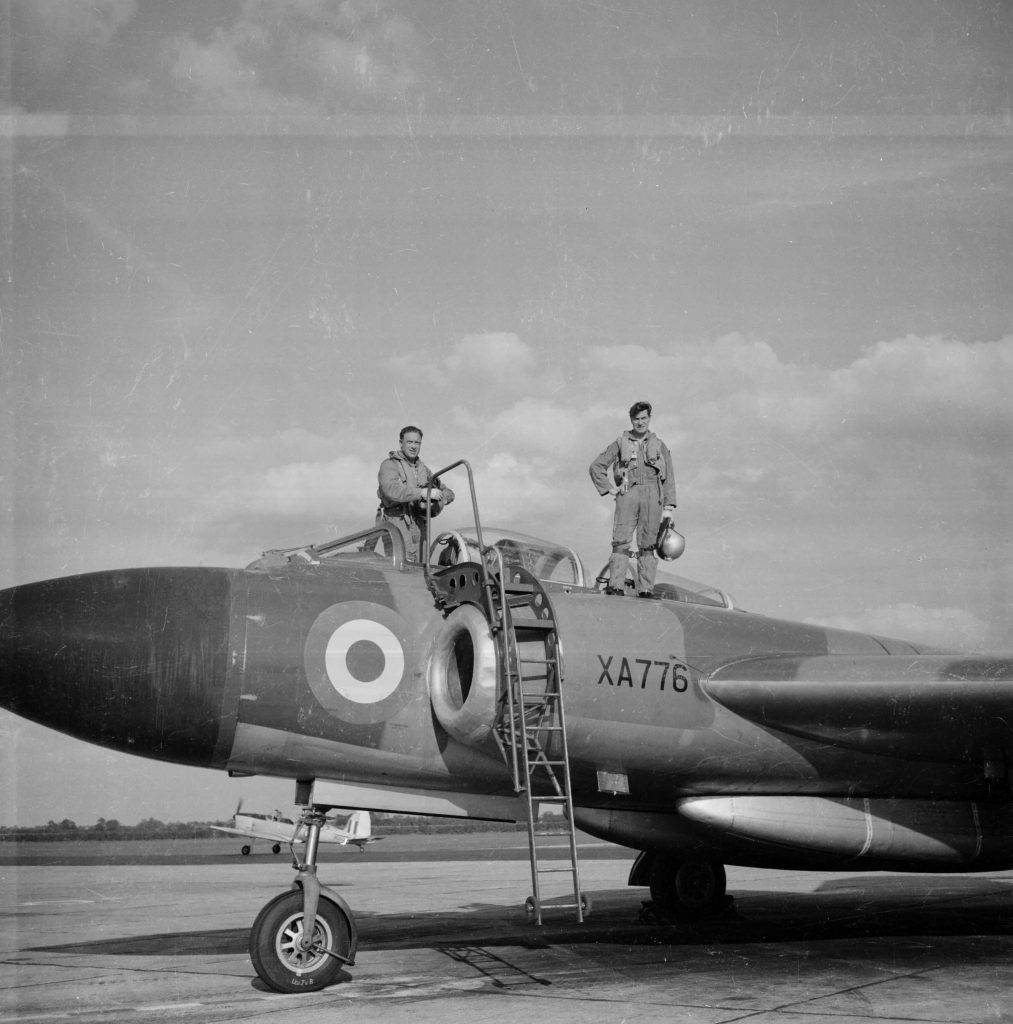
(494, 680)
(276, 829)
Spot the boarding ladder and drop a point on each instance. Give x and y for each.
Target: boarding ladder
(530, 727)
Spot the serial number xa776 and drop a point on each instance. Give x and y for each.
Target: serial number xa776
(644, 673)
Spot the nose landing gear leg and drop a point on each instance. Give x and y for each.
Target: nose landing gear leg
(303, 938)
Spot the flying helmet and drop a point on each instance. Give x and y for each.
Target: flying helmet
(671, 543)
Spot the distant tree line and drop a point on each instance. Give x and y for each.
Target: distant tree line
(105, 829)
(151, 828)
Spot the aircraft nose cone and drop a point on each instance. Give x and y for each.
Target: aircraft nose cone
(135, 660)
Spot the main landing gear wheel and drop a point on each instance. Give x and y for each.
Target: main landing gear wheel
(275, 949)
(688, 889)
(276, 848)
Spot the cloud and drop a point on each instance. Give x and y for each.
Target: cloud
(374, 55)
(777, 431)
(912, 436)
(289, 490)
(293, 56)
(800, 486)
(490, 356)
(532, 427)
(295, 476)
(494, 361)
(940, 387)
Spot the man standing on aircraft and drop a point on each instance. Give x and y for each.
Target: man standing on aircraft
(403, 480)
(636, 469)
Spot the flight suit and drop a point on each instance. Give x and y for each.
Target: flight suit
(644, 483)
(402, 488)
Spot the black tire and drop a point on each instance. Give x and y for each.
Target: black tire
(274, 938)
(245, 851)
(276, 848)
(688, 889)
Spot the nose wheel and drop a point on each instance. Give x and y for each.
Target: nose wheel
(303, 938)
(290, 959)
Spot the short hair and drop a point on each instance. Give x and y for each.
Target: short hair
(638, 407)
(409, 430)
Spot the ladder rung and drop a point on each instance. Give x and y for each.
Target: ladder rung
(533, 701)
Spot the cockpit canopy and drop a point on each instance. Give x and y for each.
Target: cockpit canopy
(551, 563)
(544, 559)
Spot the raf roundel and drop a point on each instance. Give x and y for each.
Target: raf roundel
(364, 661)
(356, 656)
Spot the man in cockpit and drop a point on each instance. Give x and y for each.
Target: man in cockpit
(636, 469)
(403, 479)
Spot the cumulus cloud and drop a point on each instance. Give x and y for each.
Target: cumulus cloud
(491, 355)
(295, 475)
(879, 489)
(261, 56)
(798, 484)
(919, 420)
(488, 360)
(784, 431)
(533, 427)
(379, 54)
(294, 56)
(342, 485)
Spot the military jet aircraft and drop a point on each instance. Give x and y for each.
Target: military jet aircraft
(496, 679)
(277, 828)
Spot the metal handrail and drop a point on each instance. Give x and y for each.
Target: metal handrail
(483, 568)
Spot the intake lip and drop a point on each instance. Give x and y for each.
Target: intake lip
(134, 659)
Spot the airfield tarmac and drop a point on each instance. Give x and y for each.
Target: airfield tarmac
(158, 932)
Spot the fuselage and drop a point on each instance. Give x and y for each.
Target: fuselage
(322, 670)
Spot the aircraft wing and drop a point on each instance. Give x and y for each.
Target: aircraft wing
(927, 708)
(270, 835)
(234, 831)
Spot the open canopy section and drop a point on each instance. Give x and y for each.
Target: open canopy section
(546, 560)
(680, 588)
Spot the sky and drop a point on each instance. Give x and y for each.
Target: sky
(243, 243)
